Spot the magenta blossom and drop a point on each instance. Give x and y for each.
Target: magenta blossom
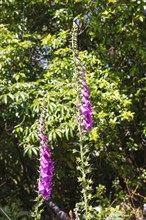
(85, 107)
(46, 167)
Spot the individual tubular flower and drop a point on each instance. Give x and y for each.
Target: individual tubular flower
(46, 166)
(85, 107)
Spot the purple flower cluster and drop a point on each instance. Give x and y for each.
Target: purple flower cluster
(46, 167)
(85, 107)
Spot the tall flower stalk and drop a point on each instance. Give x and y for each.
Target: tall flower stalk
(84, 121)
(46, 163)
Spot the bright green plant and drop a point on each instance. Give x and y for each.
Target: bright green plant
(83, 115)
(36, 64)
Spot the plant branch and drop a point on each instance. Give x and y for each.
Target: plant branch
(5, 214)
(59, 213)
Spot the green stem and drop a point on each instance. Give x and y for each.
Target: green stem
(83, 171)
(77, 75)
(82, 154)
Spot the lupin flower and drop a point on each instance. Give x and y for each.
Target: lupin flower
(85, 107)
(46, 166)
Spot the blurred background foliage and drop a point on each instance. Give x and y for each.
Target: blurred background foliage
(36, 65)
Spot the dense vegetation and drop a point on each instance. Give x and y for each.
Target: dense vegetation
(36, 65)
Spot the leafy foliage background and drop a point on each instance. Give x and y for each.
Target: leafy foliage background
(36, 64)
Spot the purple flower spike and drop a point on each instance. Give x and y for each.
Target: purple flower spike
(85, 93)
(85, 107)
(44, 138)
(46, 167)
(86, 102)
(85, 84)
